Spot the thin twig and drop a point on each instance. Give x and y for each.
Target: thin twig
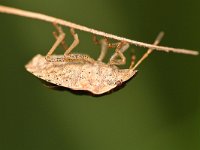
(29, 14)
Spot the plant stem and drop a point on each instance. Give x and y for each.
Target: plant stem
(39, 16)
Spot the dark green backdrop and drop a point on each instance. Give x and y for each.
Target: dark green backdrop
(158, 110)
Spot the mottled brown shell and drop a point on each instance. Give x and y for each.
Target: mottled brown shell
(97, 78)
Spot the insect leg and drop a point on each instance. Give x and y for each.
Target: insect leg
(149, 51)
(104, 49)
(74, 44)
(121, 48)
(55, 34)
(59, 39)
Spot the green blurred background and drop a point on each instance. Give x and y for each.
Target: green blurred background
(158, 110)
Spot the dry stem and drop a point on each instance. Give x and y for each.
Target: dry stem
(29, 14)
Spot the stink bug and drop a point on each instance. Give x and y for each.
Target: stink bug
(81, 72)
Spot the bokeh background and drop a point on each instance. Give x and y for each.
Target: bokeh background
(159, 109)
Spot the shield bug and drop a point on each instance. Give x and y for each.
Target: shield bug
(80, 72)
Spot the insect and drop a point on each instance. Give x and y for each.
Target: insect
(80, 71)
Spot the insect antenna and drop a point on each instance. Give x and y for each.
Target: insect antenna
(149, 51)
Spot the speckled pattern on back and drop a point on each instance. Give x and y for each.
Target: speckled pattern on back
(97, 77)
